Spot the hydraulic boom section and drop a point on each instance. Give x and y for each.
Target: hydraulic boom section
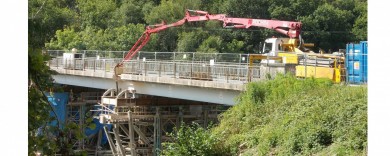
(293, 28)
(202, 16)
(288, 28)
(144, 39)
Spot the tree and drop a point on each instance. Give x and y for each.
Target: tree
(360, 25)
(40, 79)
(328, 26)
(190, 41)
(66, 39)
(253, 8)
(97, 13)
(132, 11)
(234, 47)
(213, 44)
(45, 17)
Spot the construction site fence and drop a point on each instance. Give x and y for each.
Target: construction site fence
(228, 68)
(159, 56)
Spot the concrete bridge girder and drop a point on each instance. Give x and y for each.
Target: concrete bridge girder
(203, 94)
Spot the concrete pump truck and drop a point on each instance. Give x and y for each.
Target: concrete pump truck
(289, 50)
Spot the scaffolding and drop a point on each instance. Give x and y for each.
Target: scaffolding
(78, 112)
(141, 123)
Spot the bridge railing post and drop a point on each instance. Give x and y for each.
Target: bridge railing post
(84, 60)
(145, 70)
(191, 71)
(239, 63)
(227, 74)
(159, 69)
(74, 63)
(248, 74)
(174, 70)
(193, 57)
(104, 67)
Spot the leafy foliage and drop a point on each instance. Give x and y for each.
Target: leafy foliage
(189, 41)
(284, 116)
(92, 13)
(191, 140)
(45, 17)
(212, 44)
(287, 116)
(325, 20)
(360, 26)
(95, 25)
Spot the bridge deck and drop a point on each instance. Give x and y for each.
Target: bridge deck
(199, 80)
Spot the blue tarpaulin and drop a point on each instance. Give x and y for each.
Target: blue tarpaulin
(58, 102)
(99, 126)
(95, 131)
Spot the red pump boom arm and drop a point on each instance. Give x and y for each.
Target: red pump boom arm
(293, 28)
(204, 16)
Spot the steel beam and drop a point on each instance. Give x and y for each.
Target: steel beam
(118, 140)
(157, 133)
(110, 142)
(98, 142)
(131, 134)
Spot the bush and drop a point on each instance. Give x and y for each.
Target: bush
(284, 116)
(287, 116)
(191, 140)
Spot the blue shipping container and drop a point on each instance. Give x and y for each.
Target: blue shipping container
(356, 62)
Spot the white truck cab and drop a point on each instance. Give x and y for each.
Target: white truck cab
(272, 46)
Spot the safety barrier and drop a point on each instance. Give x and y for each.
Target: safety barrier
(228, 68)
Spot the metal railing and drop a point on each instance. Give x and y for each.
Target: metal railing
(227, 68)
(187, 70)
(159, 56)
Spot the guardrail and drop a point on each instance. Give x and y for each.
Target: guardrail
(160, 56)
(183, 70)
(227, 68)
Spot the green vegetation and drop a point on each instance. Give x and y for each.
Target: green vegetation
(284, 116)
(117, 25)
(191, 140)
(44, 18)
(287, 116)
